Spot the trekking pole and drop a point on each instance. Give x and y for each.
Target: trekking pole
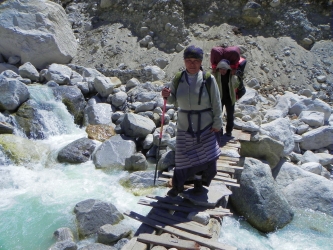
(160, 138)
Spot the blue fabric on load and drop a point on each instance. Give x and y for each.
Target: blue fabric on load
(193, 52)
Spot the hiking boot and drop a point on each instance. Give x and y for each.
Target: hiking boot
(197, 186)
(173, 192)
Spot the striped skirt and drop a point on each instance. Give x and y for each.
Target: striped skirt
(191, 153)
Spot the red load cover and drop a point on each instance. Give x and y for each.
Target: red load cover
(232, 54)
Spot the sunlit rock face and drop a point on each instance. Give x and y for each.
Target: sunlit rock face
(37, 31)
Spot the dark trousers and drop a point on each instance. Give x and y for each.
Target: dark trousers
(230, 109)
(208, 171)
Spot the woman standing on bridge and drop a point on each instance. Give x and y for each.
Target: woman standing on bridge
(199, 121)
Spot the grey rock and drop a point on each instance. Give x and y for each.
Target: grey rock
(136, 162)
(50, 39)
(311, 105)
(312, 118)
(63, 233)
(259, 199)
(280, 130)
(103, 85)
(108, 234)
(14, 60)
(12, 93)
(113, 152)
(166, 161)
(29, 71)
(64, 245)
(6, 128)
(137, 126)
(61, 74)
(91, 214)
(317, 138)
(78, 151)
(303, 189)
(265, 148)
(7, 66)
(141, 179)
(118, 99)
(312, 167)
(98, 246)
(99, 113)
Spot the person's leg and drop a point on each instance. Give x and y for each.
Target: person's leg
(178, 180)
(221, 131)
(230, 109)
(209, 174)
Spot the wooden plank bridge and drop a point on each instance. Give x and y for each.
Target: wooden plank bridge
(167, 223)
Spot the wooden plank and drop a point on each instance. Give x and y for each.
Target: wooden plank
(228, 183)
(133, 244)
(230, 163)
(222, 178)
(223, 174)
(201, 240)
(170, 174)
(167, 206)
(179, 219)
(234, 145)
(163, 179)
(225, 170)
(181, 209)
(184, 203)
(170, 242)
(182, 226)
(228, 158)
(229, 166)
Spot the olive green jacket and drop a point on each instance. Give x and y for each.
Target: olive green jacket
(233, 85)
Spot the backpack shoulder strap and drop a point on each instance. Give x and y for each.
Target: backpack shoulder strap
(206, 82)
(177, 79)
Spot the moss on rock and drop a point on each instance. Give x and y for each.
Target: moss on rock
(22, 151)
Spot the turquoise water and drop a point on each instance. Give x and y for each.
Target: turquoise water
(36, 200)
(308, 230)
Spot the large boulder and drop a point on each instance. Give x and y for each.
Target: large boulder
(77, 151)
(259, 199)
(112, 153)
(37, 31)
(99, 113)
(311, 105)
(303, 189)
(136, 162)
(280, 130)
(265, 148)
(58, 73)
(137, 126)
(12, 93)
(91, 214)
(317, 138)
(29, 71)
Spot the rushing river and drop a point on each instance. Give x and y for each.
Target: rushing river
(37, 199)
